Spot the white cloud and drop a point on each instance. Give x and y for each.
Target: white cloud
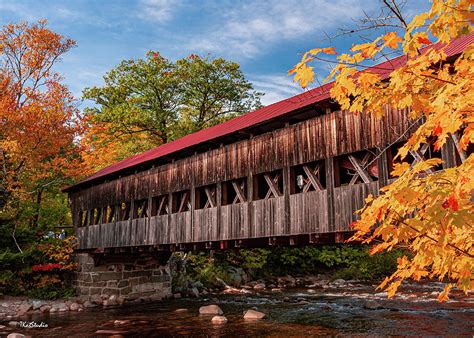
(14, 7)
(157, 10)
(275, 86)
(247, 30)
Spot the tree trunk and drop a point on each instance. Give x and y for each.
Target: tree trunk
(39, 197)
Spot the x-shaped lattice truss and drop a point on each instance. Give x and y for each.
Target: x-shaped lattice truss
(312, 178)
(272, 181)
(360, 167)
(239, 188)
(210, 197)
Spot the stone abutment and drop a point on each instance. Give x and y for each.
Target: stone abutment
(112, 279)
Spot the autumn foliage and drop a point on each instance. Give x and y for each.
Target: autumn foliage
(431, 214)
(39, 119)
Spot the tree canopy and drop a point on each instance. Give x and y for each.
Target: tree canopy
(432, 215)
(151, 101)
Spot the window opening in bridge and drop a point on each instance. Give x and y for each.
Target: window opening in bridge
(307, 177)
(181, 201)
(425, 152)
(140, 209)
(234, 191)
(83, 218)
(160, 205)
(124, 211)
(110, 214)
(90, 217)
(103, 215)
(460, 155)
(95, 216)
(205, 197)
(360, 167)
(268, 185)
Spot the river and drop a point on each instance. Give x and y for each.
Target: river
(291, 313)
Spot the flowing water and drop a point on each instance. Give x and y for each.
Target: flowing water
(292, 313)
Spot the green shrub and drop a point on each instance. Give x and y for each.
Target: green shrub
(254, 259)
(51, 292)
(203, 267)
(40, 270)
(343, 261)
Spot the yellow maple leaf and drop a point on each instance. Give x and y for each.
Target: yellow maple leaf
(392, 40)
(304, 75)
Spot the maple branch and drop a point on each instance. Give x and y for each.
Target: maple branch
(351, 64)
(431, 238)
(433, 77)
(362, 29)
(457, 9)
(391, 144)
(395, 10)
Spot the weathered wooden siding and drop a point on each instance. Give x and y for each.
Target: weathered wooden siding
(235, 221)
(323, 136)
(159, 230)
(308, 213)
(348, 199)
(268, 218)
(329, 210)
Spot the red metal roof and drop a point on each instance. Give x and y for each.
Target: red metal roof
(271, 111)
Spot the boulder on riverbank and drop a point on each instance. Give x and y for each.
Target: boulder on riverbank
(59, 307)
(24, 308)
(287, 281)
(211, 310)
(37, 304)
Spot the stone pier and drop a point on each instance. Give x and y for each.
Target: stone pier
(116, 278)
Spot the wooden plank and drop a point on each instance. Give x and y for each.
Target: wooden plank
(308, 212)
(382, 166)
(329, 165)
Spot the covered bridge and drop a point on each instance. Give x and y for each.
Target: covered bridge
(290, 173)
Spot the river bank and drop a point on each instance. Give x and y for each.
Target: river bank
(337, 309)
(12, 308)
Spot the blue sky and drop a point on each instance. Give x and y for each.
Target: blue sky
(265, 37)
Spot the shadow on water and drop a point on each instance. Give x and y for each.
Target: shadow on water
(294, 313)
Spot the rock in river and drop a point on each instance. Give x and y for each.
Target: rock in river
(372, 305)
(16, 335)
(219, 320)
(210, 310)
(252, 314)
